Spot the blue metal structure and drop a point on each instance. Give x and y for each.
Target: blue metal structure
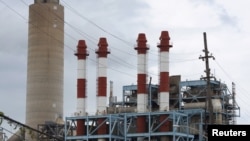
(122, 128)
(187, 118)
(195, 92)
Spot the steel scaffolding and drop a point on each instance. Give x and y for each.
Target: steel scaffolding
(187, 119)
(121, 127)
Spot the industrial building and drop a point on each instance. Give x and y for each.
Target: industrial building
(173, 110)
(170, 111)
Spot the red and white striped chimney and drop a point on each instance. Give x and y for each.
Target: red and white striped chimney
(142, 96)
(164, 71)
(102, 54)
(81, 85)
(164, 81)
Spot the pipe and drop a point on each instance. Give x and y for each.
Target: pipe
(114, 110)
(217, 108)
(81, 85)
(111, 98)
(102, 53)
(195, 105)
(142, 96)
(164, 80)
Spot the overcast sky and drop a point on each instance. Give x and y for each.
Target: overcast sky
(226, 24)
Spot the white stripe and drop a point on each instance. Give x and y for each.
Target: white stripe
(102, 67)
(81, 70)
(101, 105)
(164, 61)
(142, 103)
(142, 64)
(81, 106)
(164, 101)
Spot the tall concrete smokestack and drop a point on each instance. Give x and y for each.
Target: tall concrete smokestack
(142, 96)
(102, 54)
(81, 85)
(45, 65)
(164, 80)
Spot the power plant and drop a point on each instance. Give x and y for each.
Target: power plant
(172, 110)
(169, 111)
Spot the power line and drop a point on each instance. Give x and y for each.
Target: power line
(93, 23)
(74, 28)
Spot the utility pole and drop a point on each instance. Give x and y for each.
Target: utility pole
(208, 103)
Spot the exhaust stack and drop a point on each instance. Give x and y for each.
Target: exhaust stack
(164, 81)
(142, 96)
(81, 85)
(102, 54)
(164, 70)
(45, 63)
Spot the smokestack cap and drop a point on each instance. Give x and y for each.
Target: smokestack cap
(103, 42)
(103, 50)
(82, 52)
(164, 41)
(164, 35)
(141, 37)
(82, 44)
(142, 46)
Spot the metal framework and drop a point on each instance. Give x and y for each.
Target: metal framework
(2, 134)
(51, 128)
(121, 127)
(186, 120)
(195, 92)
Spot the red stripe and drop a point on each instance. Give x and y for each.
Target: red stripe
(80, 127)
(141, 124)
(103, 128)
(141, 83)
(164, 82)
(81, 88)
(166, 126)
(102, 86)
